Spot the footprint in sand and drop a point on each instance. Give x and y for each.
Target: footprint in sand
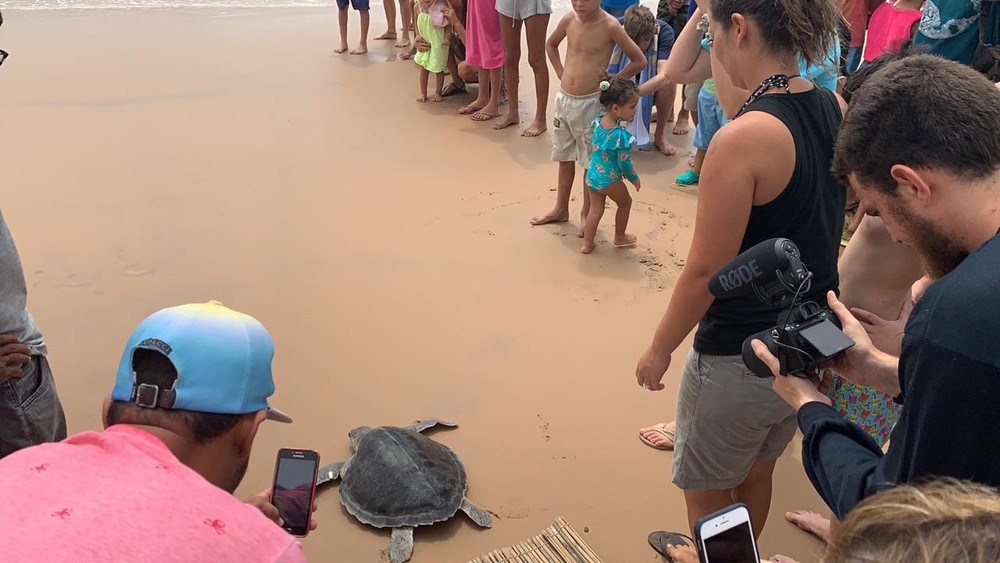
(78, 279)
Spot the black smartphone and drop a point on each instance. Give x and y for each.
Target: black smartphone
(726, 536)
(294, 488)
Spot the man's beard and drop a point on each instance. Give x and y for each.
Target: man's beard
(238, 476)
(938, 253)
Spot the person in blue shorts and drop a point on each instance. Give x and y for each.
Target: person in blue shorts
(362, 7)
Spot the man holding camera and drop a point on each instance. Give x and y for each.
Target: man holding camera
(919, 145)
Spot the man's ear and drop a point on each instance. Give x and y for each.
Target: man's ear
(104, 411)
(911, 184)
(246, 431)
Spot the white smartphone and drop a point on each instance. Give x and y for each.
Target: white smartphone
(726, 536)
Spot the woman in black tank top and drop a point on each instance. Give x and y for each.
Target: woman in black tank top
(766, 175)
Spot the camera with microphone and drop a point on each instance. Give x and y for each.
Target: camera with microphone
(807, 333)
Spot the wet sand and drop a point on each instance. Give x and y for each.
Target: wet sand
(156, 158)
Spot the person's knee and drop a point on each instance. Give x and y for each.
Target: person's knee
(536, 61)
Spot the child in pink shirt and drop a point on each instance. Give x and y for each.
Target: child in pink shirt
(891, 25)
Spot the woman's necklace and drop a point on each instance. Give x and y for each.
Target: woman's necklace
(773, 81)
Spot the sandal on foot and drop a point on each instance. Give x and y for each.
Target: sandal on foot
(689, 178)
(660, 429)
(453, 90)
(660, 541)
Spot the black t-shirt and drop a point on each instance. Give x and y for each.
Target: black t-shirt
(949, 374)
(809, 212)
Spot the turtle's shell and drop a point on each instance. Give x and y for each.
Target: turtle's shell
(399, 477)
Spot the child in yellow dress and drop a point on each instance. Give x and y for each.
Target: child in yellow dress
(434, 27)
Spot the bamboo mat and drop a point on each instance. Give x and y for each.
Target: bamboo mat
(559, 543)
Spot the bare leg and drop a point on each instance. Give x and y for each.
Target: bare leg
(564, 186)
(703, 503)
(681, 127)
(424, 76)
(699, 161)
(535, 28)
(670, 91)
(510, 29)
(694, 117)
(406, 16)
(483, 98)
(619, 194)
(390, 19)
(597, 200)
(363, 46)
(755, 492)
(662, 101)
(342, 17)
(438, 86)
(492, 108)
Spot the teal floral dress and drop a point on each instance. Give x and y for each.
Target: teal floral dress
(610, 160)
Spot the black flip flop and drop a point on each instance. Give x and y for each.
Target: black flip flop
(660, 541)
(454, 91)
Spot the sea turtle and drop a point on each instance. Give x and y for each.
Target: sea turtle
(398, 478)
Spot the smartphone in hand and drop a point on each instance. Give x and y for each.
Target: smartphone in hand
(294, 488)
(726, 536)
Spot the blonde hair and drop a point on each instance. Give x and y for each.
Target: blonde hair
(639, 23)
(941, 521)
(806, 27)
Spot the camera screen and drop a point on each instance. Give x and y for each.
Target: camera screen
(827, 338)
(293, 487)
(734, 545)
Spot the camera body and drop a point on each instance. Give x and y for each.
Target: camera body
(807, 334)
(805, 337)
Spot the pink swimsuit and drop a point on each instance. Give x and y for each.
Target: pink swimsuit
(483, 45)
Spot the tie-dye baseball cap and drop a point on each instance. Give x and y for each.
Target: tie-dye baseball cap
(222, 357)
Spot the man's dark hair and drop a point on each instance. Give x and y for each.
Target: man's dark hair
(924, 112)
(858, 78)
(154, 368)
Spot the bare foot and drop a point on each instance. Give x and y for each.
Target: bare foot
(506, 122)
(659, 436)
(681, 127)
(389, 35)
(471, 108)
(554, 216)
(588, 247)
(421, 98)
(436, 98)
(664, 147)
(811, 522)
(682, 554)
(408, 54)
(342, 49)
(625, 240)
(583, 221)
(535, 129)
(403, 42)
(361, 50)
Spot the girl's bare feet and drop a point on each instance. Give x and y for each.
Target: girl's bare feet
(437, 98)
(421, 98)
(508, 121)
(811, 522)
(403, 42)
(535, 129)
(387, 36)
(664, 147)
(342, 49)
(361, 50)
(625, 240)
(681, 127)
(588, 247)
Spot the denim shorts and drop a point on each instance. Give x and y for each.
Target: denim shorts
(710, 120)
(30, 412)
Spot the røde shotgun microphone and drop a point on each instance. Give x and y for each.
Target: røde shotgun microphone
(770, 269)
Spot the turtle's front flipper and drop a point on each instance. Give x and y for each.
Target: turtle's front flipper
(329, 473)
(430, 423)
(478, 515)
(401, 545)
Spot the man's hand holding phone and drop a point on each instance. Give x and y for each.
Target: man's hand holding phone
(262, 501)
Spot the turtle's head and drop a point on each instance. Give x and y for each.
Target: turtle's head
(356, 435)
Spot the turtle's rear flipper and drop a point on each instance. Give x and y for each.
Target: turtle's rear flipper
(401, 545)
(430, 423)
(329, 473)
(478, 515)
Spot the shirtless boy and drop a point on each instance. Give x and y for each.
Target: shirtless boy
(592, 35)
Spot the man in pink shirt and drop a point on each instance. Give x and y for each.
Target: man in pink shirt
(156, 485)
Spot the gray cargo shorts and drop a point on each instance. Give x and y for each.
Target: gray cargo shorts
(30, 412)
(727, 419)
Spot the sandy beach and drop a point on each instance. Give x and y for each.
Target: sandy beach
(153, 158)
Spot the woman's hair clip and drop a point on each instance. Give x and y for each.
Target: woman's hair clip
(604, 85)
